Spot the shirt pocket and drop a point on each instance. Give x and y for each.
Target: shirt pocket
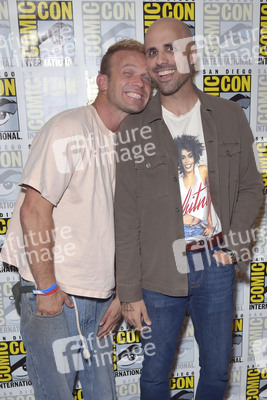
(152, 177)
(229, 154)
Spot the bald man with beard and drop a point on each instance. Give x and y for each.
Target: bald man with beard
(178, 240)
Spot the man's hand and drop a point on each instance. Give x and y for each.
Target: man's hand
(222, 257)
(135, 313)
(52, 304)
(111, 319)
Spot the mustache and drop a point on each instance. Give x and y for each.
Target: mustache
(163, 67)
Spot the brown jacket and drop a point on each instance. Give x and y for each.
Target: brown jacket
(148, 209)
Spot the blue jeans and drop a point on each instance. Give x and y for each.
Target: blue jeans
(54, 370)
(210, 304)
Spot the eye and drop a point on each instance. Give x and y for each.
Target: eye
(147, 78)
(4, 117)
(152, 53)
(170, 48)
(7, 187)
(7, 107)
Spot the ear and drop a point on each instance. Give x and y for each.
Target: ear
(102, 82)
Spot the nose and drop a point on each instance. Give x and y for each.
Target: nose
(138, 80)
(162, 58)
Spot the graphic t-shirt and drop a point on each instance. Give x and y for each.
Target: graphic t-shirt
(199, 216)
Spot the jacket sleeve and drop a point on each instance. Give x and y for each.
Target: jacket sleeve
(250, 194)
(127, 226)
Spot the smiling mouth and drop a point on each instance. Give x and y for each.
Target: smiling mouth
(134, 95)
(187, 166)
(163, 73)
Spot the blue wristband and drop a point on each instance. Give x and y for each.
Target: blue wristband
(45, 291)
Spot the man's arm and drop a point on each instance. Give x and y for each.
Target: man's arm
(250, 190)
(127, 228)
(37, 226)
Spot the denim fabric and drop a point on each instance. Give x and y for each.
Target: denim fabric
(54, 370)
(194, 230)
(210, 304)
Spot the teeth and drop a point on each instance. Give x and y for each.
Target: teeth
(164, 73)
(134, 95)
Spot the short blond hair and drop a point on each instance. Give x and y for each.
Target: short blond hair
(126, 44)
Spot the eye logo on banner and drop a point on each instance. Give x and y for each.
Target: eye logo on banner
(11, 164)
(263, 34)
(128, 353)
(184, 11)
(258, 285)
(103, 24)
(227, 28)
(9, 120)
(182, 387)
(237, 342)
(235, 87)
(46, 33)
(186, 354)
(256, 383)
(8, 314)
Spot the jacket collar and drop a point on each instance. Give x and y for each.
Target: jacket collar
(153, 110)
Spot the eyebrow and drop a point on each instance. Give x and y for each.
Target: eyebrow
(154, 48)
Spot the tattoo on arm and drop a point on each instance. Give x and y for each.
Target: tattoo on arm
(127, 307)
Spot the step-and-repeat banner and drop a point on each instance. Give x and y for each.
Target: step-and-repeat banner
(50, 53)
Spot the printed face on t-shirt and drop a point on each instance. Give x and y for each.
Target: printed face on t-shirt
(188, 161)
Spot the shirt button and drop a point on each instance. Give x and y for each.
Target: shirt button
(148, 165)
(228, 152)
(175, 179)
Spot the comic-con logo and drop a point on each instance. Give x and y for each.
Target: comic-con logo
(46, 29)
(258, 285)
(256, 384)
(227, 29)
(184, 11)
(128, 352)
(9, 121)
(230, 86)
(233, 391)
(182, 387)
(261, 146)
(105, 23)
(185, 348)
(46, 96)
(263, 35)
(257, 338)
(262, 102)
(237, 332)
(12, 362)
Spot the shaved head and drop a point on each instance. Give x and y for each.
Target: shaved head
(179, 27)
(170, 54)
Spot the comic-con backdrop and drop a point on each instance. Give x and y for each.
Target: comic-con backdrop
(50, 53)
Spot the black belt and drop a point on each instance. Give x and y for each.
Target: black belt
(202, 244)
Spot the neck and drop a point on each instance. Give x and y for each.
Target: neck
(182, 101)
(110, 115)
